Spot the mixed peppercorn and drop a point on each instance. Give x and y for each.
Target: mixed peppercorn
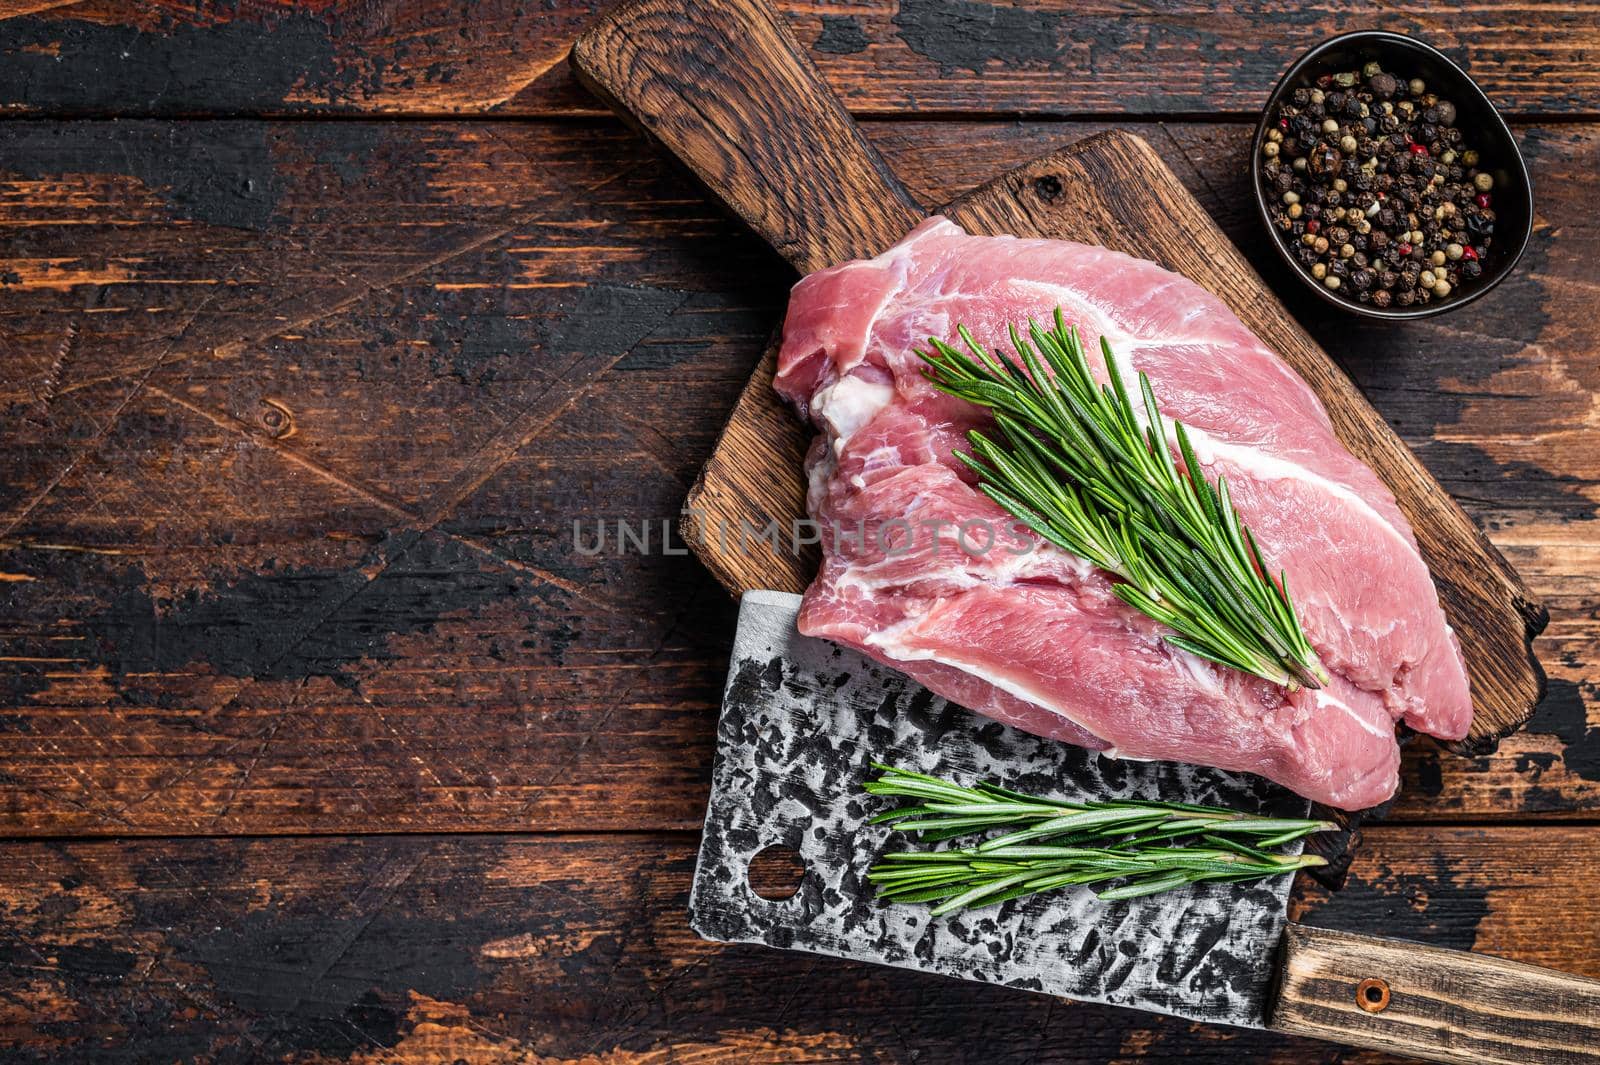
(1374, 190)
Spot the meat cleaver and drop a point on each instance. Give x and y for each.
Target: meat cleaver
(802, 720)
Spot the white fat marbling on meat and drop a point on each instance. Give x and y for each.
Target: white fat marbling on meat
(1261, 465)
(847, 404)
(1265, 467)
(890, 643)
(1324, 700)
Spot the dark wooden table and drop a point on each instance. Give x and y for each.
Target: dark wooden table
(321, 324)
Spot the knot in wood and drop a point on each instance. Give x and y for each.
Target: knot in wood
(277, 419)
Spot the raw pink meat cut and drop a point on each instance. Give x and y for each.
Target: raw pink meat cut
(987, 614)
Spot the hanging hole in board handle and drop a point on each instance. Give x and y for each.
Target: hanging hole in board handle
(1372, 995)
(775, 873)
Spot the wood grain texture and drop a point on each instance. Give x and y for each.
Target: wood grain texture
(740, 104)
(498, 679)
(294, 420)
(175, 58)
(721, 84)
(416, 950)
(1438, 1005)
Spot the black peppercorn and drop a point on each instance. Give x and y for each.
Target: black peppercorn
(1366, 178)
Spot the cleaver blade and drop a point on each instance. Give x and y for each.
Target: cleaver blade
(802, 719)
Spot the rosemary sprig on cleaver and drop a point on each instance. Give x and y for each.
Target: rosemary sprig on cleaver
(1092, 473)
(1150, 847)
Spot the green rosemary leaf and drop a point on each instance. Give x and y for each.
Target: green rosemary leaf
(1091, 469)
(1270, 826)
(1148, 846)
(1144, 886)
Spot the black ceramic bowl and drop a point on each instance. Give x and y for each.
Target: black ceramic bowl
(1479, 123)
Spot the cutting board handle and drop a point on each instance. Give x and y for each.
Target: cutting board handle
(731, 94)
(1435, 1004)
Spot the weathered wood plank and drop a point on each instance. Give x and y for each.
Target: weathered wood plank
(561, 949)
(735, 99)
(1051, 57)
(456, 341)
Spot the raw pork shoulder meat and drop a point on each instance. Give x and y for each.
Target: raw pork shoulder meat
(990, 616)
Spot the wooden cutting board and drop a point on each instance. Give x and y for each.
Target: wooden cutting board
(727, 91)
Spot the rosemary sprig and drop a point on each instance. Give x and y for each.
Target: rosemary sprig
(1074, 463)
(1150, 847)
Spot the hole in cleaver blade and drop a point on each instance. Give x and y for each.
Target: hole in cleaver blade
(801, 721)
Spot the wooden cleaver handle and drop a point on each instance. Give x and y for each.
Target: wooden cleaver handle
(732, 95)
(1435, 1004)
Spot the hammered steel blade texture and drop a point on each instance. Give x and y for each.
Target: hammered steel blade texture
(802, 720)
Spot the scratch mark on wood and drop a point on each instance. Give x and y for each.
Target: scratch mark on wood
(52, 377)
(266, 439)
(83, 450)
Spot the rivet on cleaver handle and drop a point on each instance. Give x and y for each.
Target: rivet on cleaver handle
(801, 722)
(728, 91)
